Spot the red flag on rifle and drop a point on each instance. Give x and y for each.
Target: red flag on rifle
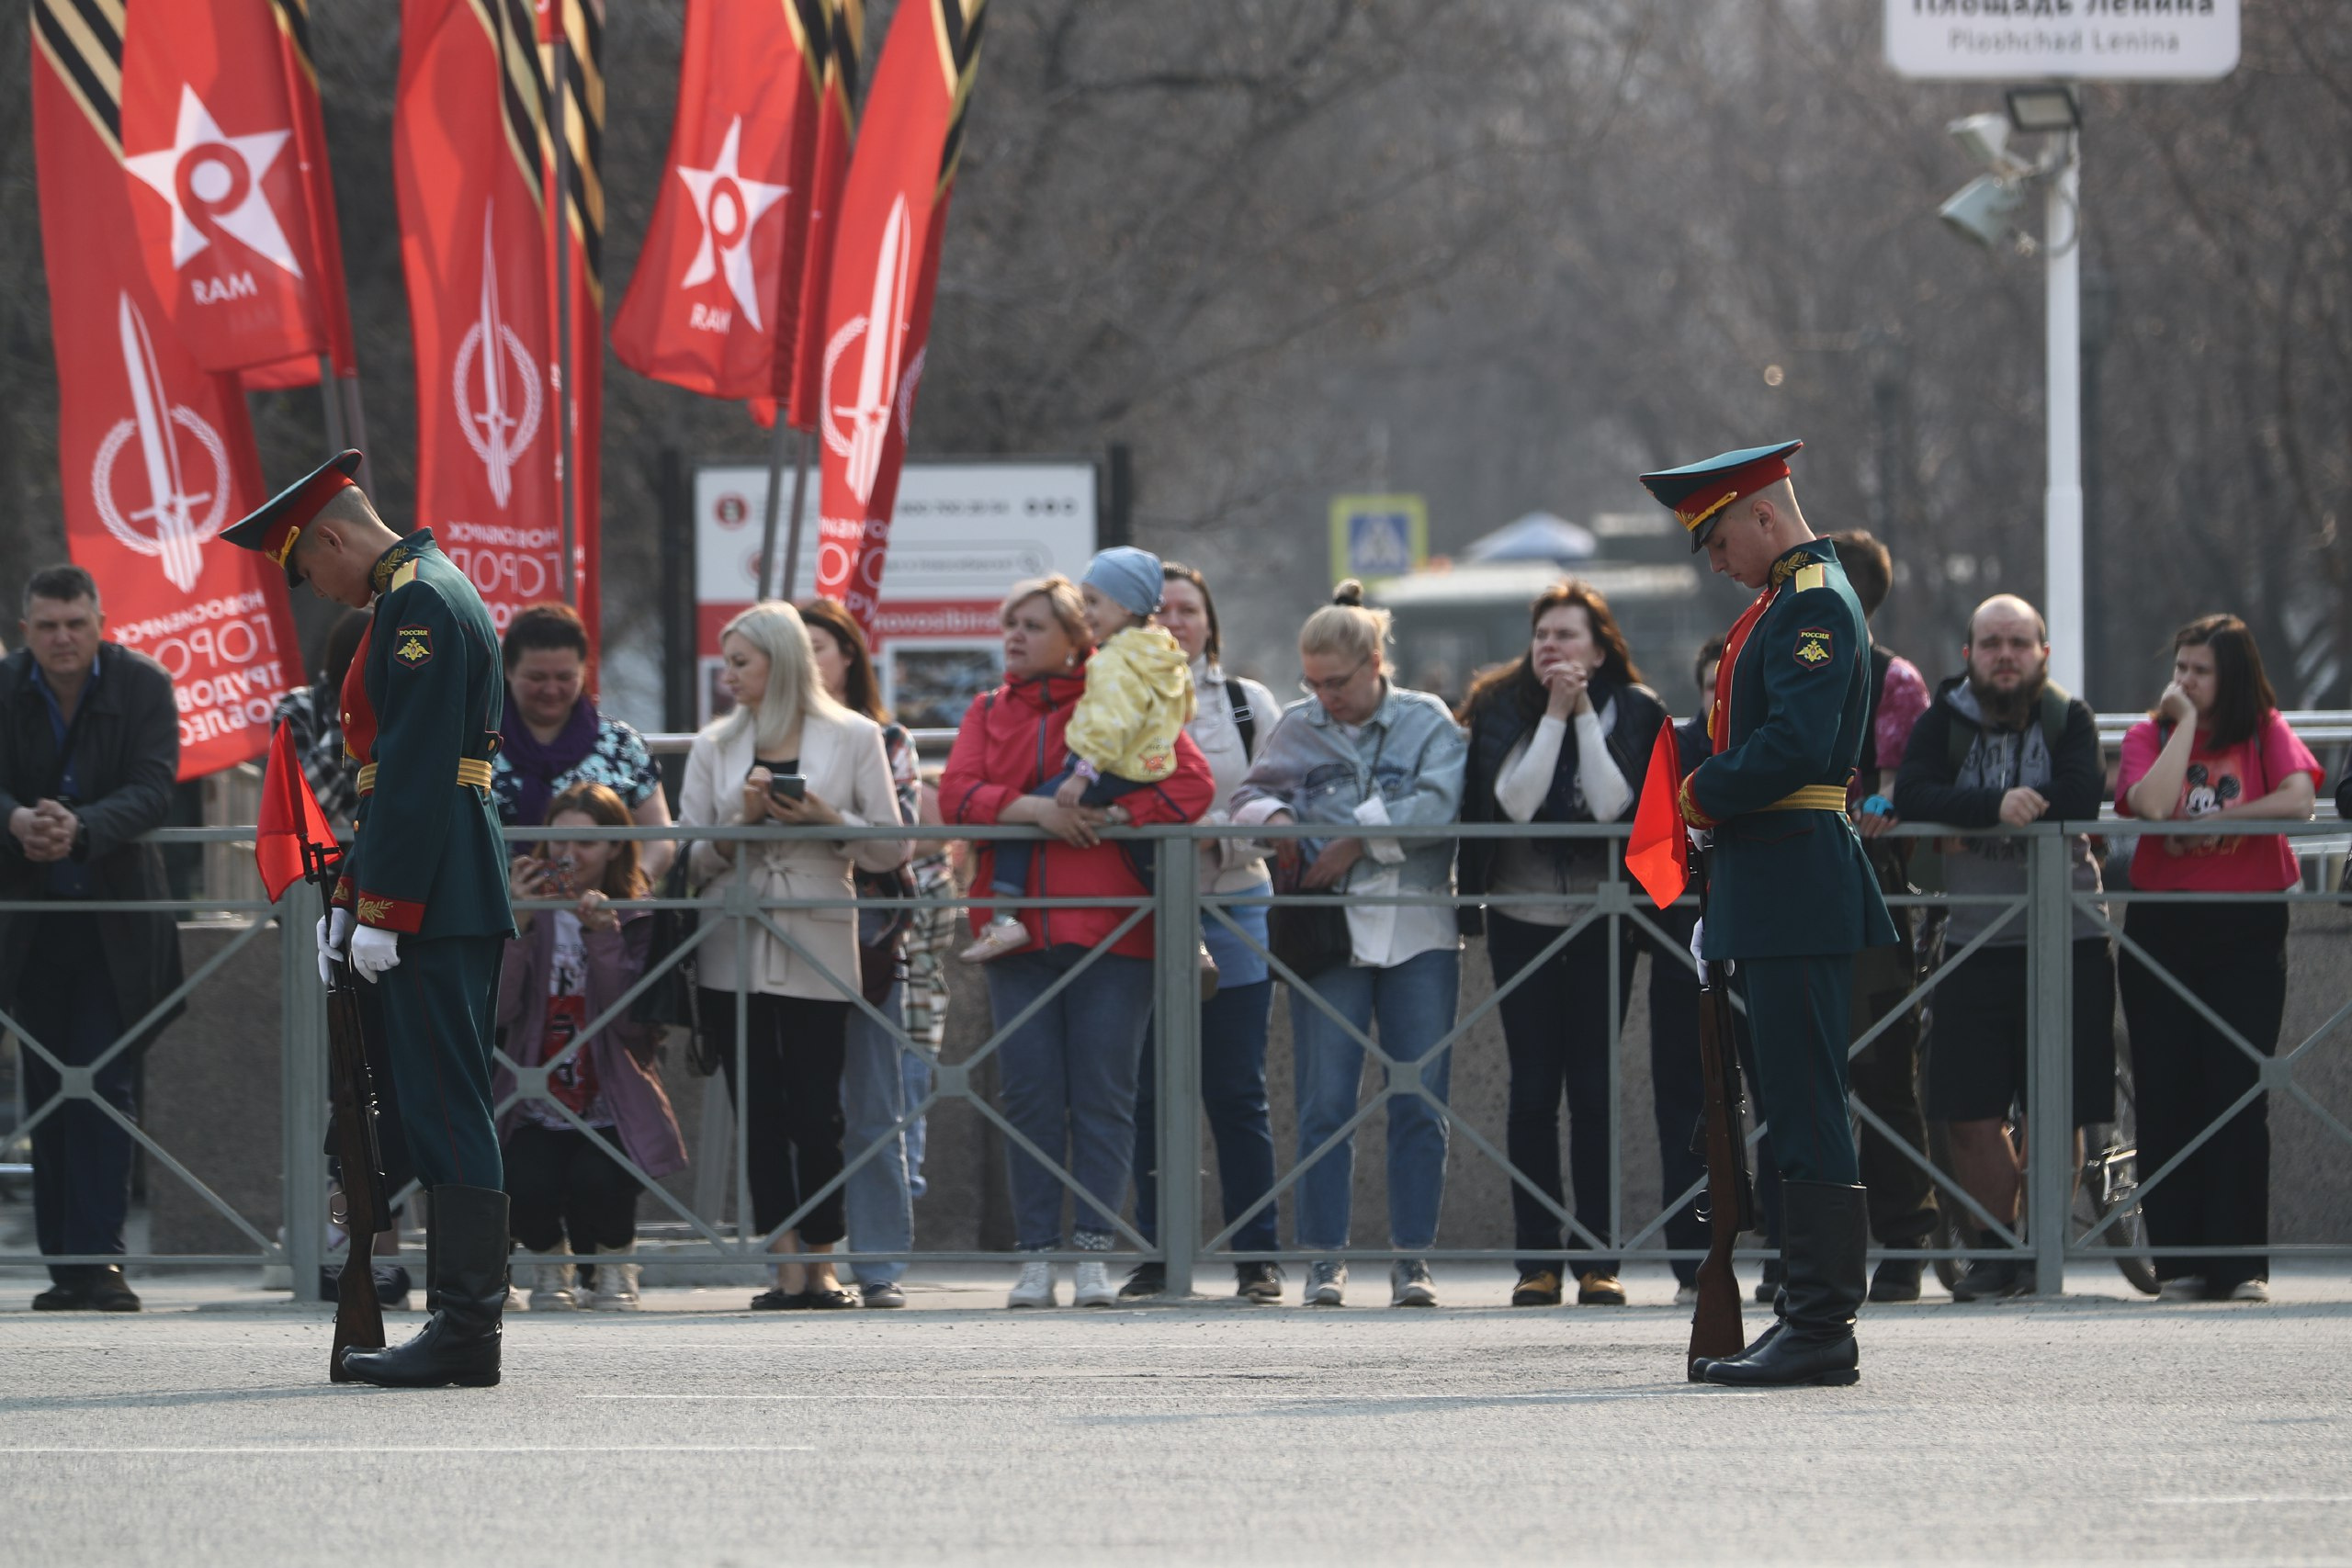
(712, 305)
(886, 267)
(290, 817)
(842, 48)
(1658, 856)
(216, 183)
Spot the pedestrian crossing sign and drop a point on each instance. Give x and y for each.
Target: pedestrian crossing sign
(1375, 536)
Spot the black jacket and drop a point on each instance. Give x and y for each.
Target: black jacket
(127, 747)
(1924, 787)
(1496, 726)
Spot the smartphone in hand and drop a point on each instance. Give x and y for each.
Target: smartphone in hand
(788, 787)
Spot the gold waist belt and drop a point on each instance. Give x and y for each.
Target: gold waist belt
(1812, 797)
(473, 772)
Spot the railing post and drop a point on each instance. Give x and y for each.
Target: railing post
(2049, 1099)
(303, 1032)
(1176, 922)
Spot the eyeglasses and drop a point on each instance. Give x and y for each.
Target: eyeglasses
(1333, 686)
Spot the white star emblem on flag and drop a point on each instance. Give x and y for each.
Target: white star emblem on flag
(728, 205)
(222, 180)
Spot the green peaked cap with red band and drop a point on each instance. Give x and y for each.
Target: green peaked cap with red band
(276, 525)
(1697, 492)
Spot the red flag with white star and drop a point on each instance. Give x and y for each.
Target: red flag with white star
(711, 305)
(215, 176)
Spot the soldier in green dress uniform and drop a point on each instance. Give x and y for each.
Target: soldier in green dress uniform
(1791, 898)
(421, 905)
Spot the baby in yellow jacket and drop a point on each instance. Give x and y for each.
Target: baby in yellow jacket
(1121, 735)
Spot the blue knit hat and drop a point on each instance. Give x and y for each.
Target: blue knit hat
(1129, 577)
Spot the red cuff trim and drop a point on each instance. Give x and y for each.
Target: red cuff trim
(1688, 799)
(402, 915)
(343, 894)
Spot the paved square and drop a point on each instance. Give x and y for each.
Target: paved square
(2093, 1430)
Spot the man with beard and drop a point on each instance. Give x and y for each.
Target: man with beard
(2002, 745)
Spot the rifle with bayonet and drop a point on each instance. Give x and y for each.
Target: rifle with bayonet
(351, 1092)
(1716, 1332)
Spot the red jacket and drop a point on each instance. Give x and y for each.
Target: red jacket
(1011, 741)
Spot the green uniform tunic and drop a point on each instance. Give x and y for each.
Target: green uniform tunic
(421, 709)
(1791, 897)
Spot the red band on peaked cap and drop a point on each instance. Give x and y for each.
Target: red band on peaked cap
(1733, 483)
(276, 525)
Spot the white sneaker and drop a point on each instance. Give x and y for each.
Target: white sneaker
(1409, 1284)
(616, 1282)
(1036, 1286)
(1327, 1284)
(2187, 1288)
(1002, 935)
(554, 1286)
(1094, 1286)
(2250, 1291)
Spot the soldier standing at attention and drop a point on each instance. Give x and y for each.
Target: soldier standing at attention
(421, 904)
(1792, 898)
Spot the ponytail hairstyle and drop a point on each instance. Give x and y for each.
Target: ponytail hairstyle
(1346, 627)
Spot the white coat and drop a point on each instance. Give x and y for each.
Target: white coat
(843, 760)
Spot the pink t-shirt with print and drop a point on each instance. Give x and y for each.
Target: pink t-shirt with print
(2259, 863)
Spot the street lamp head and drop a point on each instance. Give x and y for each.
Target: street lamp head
(1985, 137)
(1983, 208)
(2046, 109)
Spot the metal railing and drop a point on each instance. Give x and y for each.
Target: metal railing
(2046, 904)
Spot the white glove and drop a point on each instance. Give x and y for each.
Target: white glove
(334, 930)
(373, 951)
(1698, 951)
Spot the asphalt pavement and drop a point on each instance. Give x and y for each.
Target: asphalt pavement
(2098, 1428)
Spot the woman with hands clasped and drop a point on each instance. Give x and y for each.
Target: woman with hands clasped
(1559, 735)
(789, 756)
(2215, 748)
(563, 970)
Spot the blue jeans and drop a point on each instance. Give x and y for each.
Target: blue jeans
(880, 1205)
(1233, 1092)
(1067, 1082)
(1414, 1003)
(914, 1072)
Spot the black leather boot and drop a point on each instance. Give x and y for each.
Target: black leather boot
(1825, 1241)
(459, 1342)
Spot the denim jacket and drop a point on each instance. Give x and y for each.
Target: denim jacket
(1404, 768)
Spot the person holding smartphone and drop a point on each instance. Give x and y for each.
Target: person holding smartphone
(790, 757)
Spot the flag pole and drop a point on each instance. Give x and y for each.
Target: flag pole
(781, 432)
(800, 496)
(559, 211)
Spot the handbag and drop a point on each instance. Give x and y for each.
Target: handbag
(1311, 938)
(674, 1001)
(1306, 937)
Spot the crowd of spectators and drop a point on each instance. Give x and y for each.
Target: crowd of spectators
(829, 1049)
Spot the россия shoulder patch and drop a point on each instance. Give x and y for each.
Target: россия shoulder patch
(1815, 646)
(413, 646)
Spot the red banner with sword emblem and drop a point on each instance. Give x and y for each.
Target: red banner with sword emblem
(469, 148)
(886, 266)
(156, 453)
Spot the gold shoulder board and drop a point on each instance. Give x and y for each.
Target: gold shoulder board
(1808, 577)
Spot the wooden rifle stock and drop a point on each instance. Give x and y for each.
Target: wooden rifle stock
(351, 1092)
(1715, 1331)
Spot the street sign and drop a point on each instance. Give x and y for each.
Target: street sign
(2089, 40)
(1375, 536)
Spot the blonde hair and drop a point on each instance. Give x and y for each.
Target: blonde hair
(793, 690)
(1345, 626)
(1062, 602)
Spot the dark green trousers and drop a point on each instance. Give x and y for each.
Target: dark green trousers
(1797, 1011)
(438, 1006)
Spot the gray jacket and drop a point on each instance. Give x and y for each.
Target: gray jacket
(1403, 767)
